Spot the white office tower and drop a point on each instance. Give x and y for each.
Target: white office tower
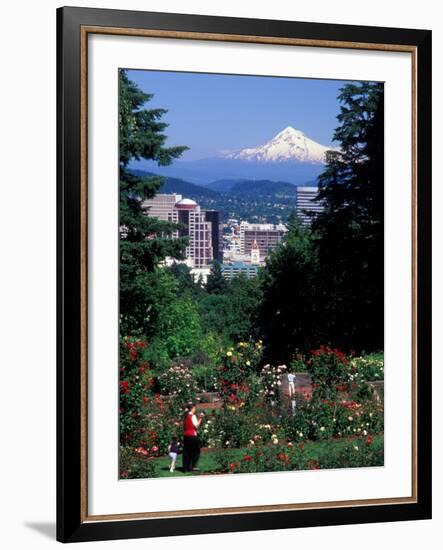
(306, 205)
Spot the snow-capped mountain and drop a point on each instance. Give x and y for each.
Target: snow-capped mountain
(288, 145)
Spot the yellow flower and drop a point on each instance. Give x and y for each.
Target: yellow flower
(229, 353)
(248, 363)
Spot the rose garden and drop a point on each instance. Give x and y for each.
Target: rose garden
(334, 420)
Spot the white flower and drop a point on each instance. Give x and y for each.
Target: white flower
(365, 432)
(300, 434)
(350, 418)
(322, 429)
(275, 441)
(356, 448)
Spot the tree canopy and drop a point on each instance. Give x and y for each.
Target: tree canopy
(350, 230)
(144, 241)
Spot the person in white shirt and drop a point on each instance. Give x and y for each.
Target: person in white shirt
(291, 384)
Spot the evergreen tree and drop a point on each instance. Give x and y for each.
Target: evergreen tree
(350, 231)
(287, 316)
(144, 241)
(216, 283)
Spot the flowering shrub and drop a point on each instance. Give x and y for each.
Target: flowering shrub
(136, 465)
(354, 418)
(178, 383)
(235, 372)
(232, 429)
(328, 368)
(271, 379)
(357, 453)
(354, 453)
(367, 367)
(136, 384)
(268, 459)
(297, 427)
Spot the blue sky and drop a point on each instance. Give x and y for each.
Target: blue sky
(211, 112)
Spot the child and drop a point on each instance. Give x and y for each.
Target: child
(173, 450)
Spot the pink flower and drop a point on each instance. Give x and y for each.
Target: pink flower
(141, 451)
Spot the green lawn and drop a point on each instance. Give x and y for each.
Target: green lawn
(207, 463)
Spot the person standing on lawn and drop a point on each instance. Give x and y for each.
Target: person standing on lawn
(191, 443)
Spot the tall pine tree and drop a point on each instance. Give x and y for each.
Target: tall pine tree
(144, 241)
(351, 228)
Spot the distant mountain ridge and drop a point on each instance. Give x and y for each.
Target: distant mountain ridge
(290, 156)
(253, 188)
(250, 200)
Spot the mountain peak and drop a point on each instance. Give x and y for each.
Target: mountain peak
(290, 130)
(288, 145)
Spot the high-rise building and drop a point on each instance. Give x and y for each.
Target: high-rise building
(306, 204)
(162, 206)
(265, 235)
(194, 223)
(215, 218)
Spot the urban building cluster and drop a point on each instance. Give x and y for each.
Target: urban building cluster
(239, 246)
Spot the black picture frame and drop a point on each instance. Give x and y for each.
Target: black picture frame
(72, 526)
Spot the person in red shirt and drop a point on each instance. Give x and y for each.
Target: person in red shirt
(191, 443)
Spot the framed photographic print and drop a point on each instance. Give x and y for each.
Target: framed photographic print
(244, 254)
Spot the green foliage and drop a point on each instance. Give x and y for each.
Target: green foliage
(235, 372)
(328, 368)
(356, 453)
(367, 367)
(245, 296)
(233, 429)
(133, 465)
(233, 313)
(288, 317)
(350, 230)
(178, 329)
(144, 241)
(216, 283)
(136, 382)
(186, 283)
